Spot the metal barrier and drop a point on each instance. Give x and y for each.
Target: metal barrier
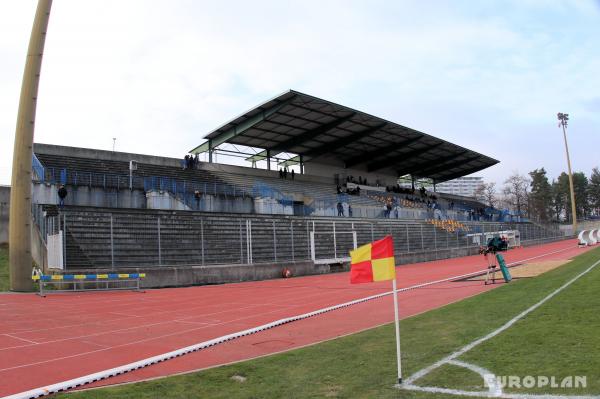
(119, 240)
(88, 282)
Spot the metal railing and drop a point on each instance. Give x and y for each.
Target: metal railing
(116, 240)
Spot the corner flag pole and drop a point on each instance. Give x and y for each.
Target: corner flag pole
(399, 360)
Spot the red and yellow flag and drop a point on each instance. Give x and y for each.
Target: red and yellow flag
(373, 262)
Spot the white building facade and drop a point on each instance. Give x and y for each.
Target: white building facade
(464, 186)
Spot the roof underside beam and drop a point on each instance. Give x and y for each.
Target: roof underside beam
(384, 163)
(302, 138)
(341, 142)
(260, 156)
(380, 152)
(292, 161)
(239, 129)
(427, 163)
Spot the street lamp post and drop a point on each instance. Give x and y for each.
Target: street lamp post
(563, 121)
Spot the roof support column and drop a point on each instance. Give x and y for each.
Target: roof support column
(268, 159)
(301, 165)
(210, 151)
(412, 181)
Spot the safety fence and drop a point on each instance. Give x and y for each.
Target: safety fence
(122, 239)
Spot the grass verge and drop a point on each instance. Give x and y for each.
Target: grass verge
(363, 365)
(4, 283)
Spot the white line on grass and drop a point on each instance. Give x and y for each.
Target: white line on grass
(75, 382)
(494, 387)
(409, 383)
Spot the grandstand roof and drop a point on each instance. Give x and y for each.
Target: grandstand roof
(330, 133)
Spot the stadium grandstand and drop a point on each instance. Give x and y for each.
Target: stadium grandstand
(193, 221)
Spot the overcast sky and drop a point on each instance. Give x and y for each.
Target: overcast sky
(159, 75)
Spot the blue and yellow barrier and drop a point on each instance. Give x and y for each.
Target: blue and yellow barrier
(70, 277)
(78, 280)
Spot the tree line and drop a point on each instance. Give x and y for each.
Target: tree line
(536, 197)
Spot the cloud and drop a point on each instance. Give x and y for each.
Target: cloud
(160, 75)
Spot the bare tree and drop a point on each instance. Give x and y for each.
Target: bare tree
(486, 193)
(515, 192)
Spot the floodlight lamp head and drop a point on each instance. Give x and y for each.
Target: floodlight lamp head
(563, 118)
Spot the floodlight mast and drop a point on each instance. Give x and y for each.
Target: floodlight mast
(563, 121)
(20, 193)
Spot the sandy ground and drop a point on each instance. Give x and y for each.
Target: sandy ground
(527, 269)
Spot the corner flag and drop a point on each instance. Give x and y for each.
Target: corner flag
(373, 262)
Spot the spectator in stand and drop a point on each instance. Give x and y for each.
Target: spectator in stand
(62, 194)
(280, 173)
(186, 161)
(196, 161)
(197, 198)
(349, 210)
(340, 209)
(285, 171)
(293, 174)
(339, 189)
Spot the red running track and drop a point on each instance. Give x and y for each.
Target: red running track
(44, 341)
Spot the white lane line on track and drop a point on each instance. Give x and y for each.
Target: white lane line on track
(21, 339)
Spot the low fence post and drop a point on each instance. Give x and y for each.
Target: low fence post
(292, 234)
(202, 239)
(64, 240)
(407, 240)
(334, 243)
(159, 249)
(307, 240)
(274, 242)
(241, 244)
(112, 247)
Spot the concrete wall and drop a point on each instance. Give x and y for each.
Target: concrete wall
(587, 225)
(177, 276)
(44, 193)
(38, 248)
(4, 211)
